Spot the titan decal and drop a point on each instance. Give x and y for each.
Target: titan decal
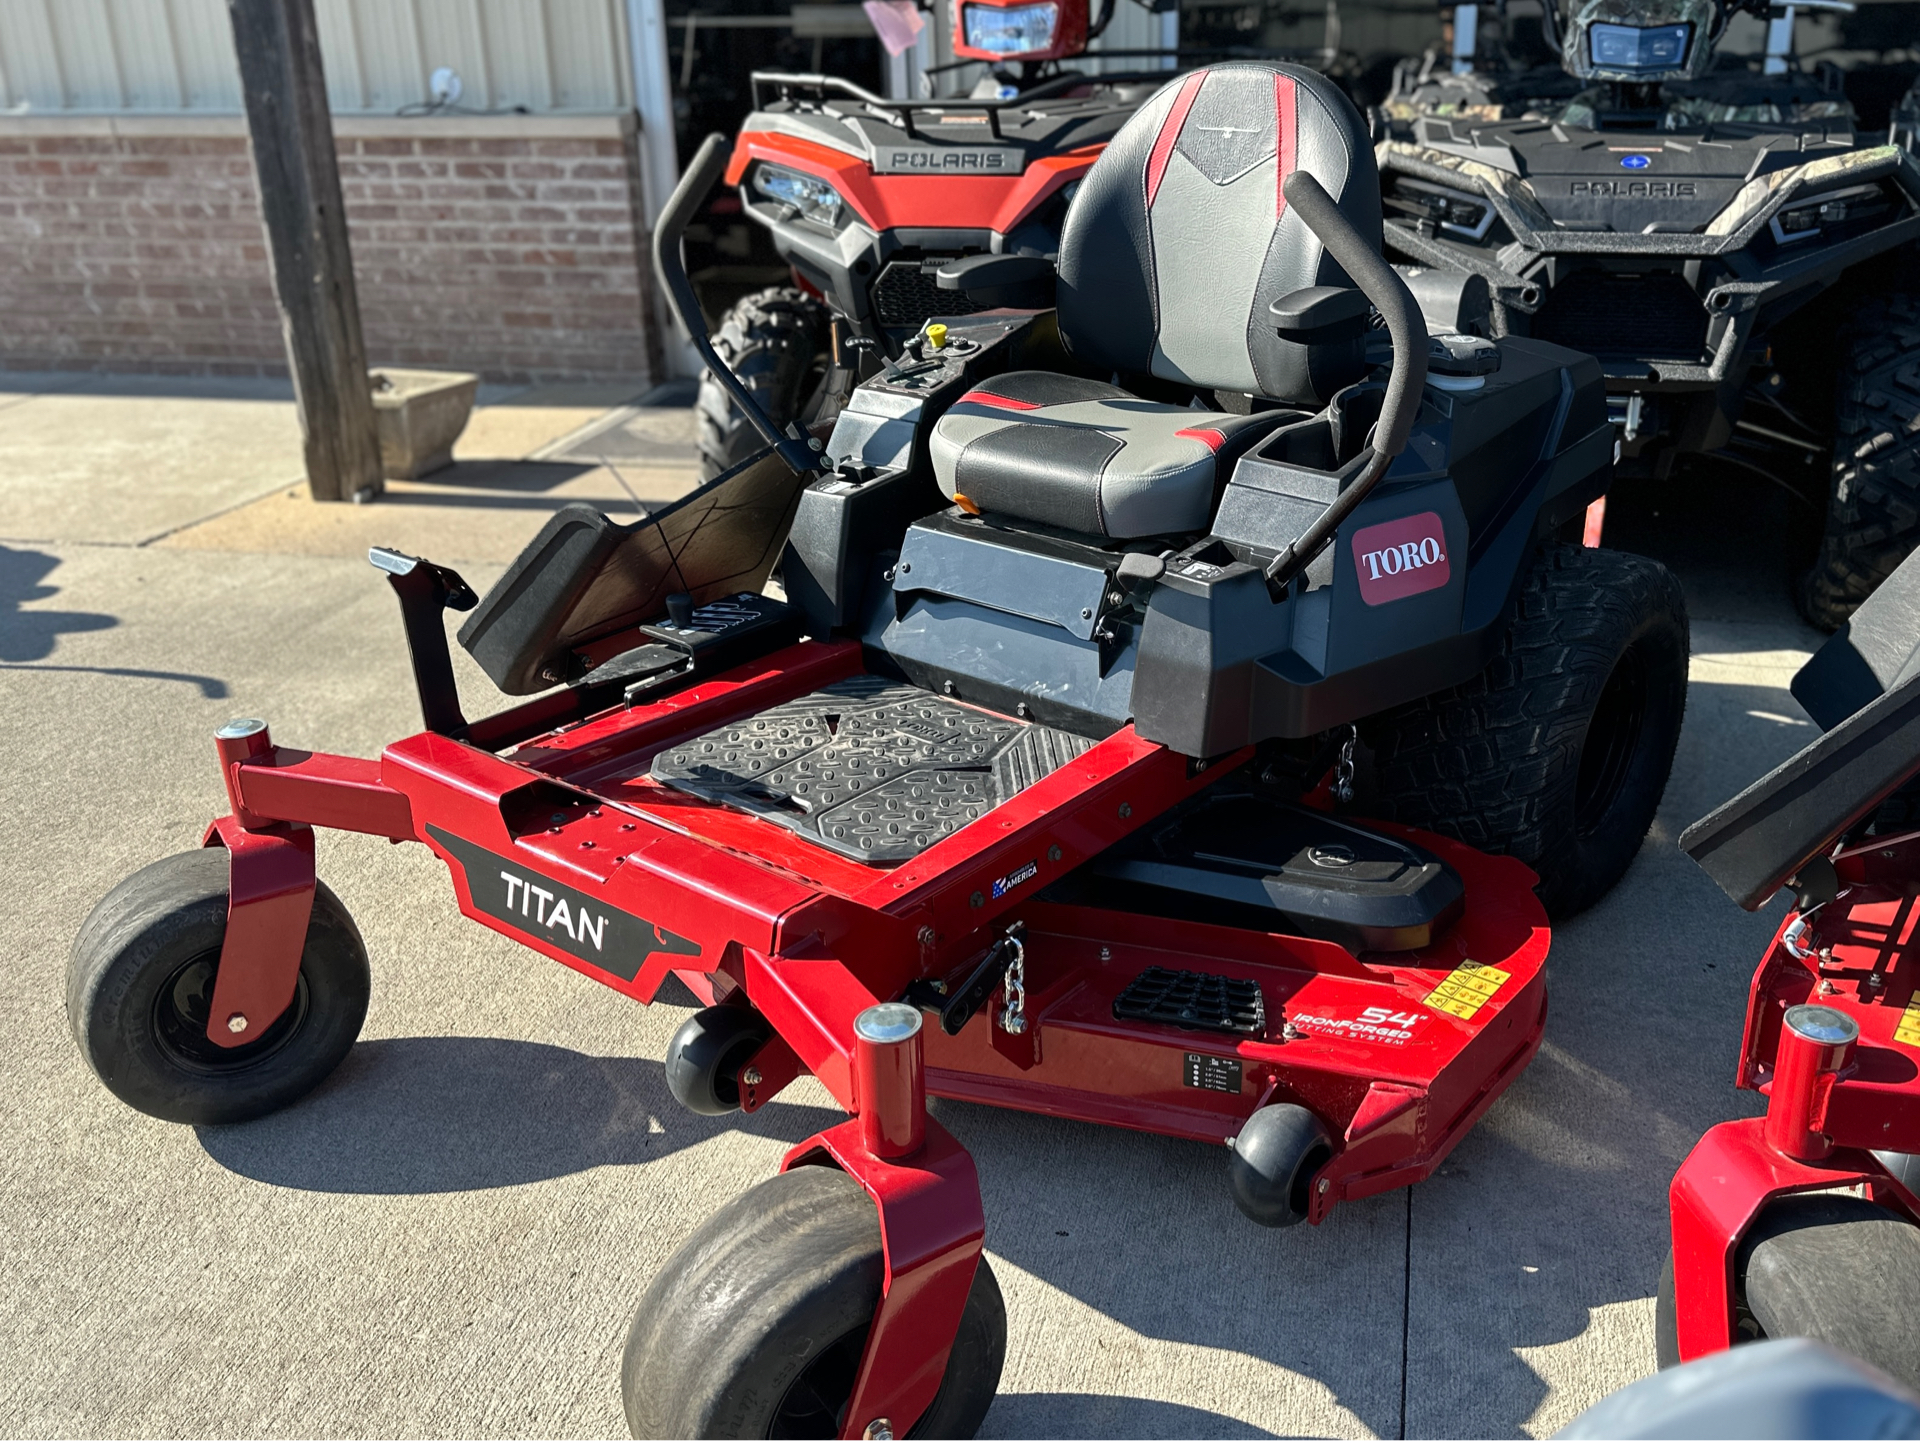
(585, 926)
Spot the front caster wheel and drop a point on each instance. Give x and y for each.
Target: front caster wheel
(756, 1326)
(1273, 1163)
(1838, 1269)
(705, 1056)
(140, 980)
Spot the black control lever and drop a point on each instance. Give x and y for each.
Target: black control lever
(1401, 404)
(957, 1008)
(426, 590)
(802, 455)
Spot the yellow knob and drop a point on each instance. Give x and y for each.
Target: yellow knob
(937, 336)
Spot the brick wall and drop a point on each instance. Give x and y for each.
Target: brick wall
(509, 245)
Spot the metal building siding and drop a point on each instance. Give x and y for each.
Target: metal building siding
(174, 55)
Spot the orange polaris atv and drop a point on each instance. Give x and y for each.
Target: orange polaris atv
(868, 199)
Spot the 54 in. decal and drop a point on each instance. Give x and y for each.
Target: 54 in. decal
(1380, 1024)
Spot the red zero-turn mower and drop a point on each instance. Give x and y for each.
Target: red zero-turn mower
(1802, 1222)
(1026, 793)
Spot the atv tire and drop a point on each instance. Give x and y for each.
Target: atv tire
(1872, 496)
(775, 341)
(1558, 752)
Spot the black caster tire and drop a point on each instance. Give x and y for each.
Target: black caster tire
(1872, 483)
(141, 976)
(1836, 1269)
(1273, 1163)
(756, 1325)
(1557, 753)
(775, 342)
(705, 1056)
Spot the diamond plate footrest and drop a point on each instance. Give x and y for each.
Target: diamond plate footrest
(868, 767)
(1194, 1001)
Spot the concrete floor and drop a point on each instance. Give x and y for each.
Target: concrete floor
(448, 1237)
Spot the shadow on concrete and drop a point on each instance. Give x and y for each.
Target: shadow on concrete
(434, 1114)
(27, 635)
(1143, 1230)
(1062, 1413)
(527, 477)
(1737, 541)
(210, 687)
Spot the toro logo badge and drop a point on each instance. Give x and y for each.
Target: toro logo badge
(1399, 558)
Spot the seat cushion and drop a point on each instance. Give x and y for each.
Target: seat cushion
(1086, 456)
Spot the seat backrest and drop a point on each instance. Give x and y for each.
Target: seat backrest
(1179, 238)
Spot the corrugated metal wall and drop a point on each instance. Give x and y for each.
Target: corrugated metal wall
(174, 55)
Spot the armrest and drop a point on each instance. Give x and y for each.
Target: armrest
(1319, 314)
(1022, 281)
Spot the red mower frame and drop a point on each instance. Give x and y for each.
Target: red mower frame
(1831, 1102)
(556, 836)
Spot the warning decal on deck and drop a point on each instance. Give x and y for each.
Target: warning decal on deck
(1468, 987)
(1907, 1030)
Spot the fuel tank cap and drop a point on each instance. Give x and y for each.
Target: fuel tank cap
(1461, 362)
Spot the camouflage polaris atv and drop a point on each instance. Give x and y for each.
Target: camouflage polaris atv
(1736, 254)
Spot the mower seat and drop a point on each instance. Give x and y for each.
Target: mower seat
(1174, 249)
(1086, 456)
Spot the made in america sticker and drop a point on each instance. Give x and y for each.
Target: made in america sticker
(1016, 877)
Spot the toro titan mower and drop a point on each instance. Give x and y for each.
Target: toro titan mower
(867, 198)
(1801, 1222)
(1027, 793)
(1730, 245)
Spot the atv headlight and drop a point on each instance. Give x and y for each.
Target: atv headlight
(1632, 47)
(1010, 30)
(814, 198)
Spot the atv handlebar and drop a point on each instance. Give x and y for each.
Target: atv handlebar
(1390, 296)
(699, 177)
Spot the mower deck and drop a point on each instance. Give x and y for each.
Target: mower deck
(694, 836)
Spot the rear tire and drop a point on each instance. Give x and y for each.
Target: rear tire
(1557, 753)
(141, 976)
(775, 341)
(756, 1326)
(1872, 508)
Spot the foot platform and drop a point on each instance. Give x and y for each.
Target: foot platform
(868, 767)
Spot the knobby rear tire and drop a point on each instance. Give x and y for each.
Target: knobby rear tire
(1558, 752)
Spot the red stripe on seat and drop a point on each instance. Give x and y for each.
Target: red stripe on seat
(999, 402)
(1207, 436)
(1171, 131)
(1284, 123)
